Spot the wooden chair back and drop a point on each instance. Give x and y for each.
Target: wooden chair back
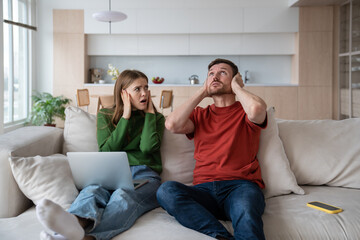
(82, 98)
(166, 99)
(105, 101)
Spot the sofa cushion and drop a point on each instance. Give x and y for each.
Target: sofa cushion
(79, 131)
(45, 177)
(177, 154)
(288, 217)
(23, 142)
(323, 151)
(275, 168)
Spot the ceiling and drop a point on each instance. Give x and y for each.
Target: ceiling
(300, 3)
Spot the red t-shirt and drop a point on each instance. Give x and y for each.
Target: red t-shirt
(226, 144)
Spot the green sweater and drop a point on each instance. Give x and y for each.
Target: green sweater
(140, 137)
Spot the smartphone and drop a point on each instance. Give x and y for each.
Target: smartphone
(324, 207)
(140, 183)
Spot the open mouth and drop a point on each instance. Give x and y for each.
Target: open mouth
(143, 101)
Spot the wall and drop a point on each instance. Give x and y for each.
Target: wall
(1, 71)
(178, 69)
(44, 47)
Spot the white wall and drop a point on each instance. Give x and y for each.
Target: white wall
(44, 70)
(178, 69)
(1, 71)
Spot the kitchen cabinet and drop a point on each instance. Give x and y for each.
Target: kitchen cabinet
(349, 60)
(271, 20)
(191, 44)
(220, 20)
(283, 98)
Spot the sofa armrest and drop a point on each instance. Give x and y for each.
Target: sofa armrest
(23, 142)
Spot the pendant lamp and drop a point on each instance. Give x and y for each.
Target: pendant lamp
(109, 16)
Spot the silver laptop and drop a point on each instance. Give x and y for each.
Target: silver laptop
(108, 169)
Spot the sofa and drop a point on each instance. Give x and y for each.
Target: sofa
(301, 161)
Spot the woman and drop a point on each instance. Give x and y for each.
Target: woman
(132, 125)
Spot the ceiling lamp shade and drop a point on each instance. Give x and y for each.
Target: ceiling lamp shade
(109, 16)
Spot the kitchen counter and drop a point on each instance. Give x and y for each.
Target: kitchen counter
(197, 85)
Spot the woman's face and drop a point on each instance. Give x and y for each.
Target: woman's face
(139, 93)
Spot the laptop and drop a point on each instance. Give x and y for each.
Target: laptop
(108, 169)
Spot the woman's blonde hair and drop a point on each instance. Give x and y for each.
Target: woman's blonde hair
(125, 79)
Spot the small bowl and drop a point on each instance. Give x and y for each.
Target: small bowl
(158, 82)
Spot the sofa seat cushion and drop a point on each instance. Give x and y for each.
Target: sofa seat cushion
(288, 217)
(24, 226)
(156, 224)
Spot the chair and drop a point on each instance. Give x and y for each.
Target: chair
(166, 99)
(105, 101)
(83, 98)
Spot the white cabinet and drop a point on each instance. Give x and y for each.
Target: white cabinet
(192, 44)
(262, 20)
(215, 44)
(163, 21)
(268, 44)
(226, 20)
(163, 44)
(243, 44)
(197, 21)
(112, 45)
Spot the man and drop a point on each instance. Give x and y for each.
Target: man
(227, 176)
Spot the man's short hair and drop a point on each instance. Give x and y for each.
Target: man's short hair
(228, 62)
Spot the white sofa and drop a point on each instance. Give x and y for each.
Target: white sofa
(301, 161)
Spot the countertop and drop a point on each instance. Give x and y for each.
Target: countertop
(197, 85)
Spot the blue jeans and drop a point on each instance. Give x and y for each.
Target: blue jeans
(199, 207)
(114, 212)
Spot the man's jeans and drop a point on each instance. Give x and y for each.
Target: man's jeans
(199, 207)
(114, 212)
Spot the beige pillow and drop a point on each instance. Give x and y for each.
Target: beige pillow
(275, 168)
(323, 151)
(79, 131)
(177, 154)
(45, 177)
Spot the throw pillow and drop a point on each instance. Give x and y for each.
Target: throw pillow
(323, 151)
(45, 177)
(275, 168)
(177, 154)
(79, 131)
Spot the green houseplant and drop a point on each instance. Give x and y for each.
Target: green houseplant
(46, 107)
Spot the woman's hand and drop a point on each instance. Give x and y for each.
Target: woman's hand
(126, 98)
(150, 106)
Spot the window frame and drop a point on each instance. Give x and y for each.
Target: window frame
(28, 55)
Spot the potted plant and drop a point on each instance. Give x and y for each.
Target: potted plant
(46, 107)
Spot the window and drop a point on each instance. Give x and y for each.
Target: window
(18, 31)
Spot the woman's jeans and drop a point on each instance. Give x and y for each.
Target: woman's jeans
(114, 212)
(199, 207)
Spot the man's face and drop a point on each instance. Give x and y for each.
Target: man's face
(219, 78)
